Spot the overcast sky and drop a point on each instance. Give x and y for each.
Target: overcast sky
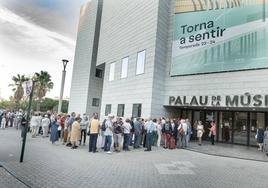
(36, 35)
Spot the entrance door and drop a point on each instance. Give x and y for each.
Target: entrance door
(197, 116)
(225, 127)
(240, 128)
(210, 116)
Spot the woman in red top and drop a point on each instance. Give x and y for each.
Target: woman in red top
(212, 132)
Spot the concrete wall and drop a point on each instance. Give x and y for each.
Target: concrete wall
(79, 94)
(128, 27)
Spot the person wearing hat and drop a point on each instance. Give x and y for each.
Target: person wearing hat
(108, 133)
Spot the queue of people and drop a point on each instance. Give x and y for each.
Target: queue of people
(116, 133)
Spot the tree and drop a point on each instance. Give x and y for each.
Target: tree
(18, 88)
(42, 86)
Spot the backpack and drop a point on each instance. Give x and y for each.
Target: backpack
(103, 126)
(166, 126)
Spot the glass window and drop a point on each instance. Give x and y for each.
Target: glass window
(98, 73)
(112, 70)
(140, 62)
(120, 110)
(95, 102)
(124, 67)
(240, 128)
(225, 128)
(136, 110)
(108, 109)
(257, 121)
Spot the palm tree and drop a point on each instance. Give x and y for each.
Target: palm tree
(42, 86)
(18, 88)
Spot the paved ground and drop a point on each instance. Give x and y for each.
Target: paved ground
(8, 181)
(48, 165)
(229, 150)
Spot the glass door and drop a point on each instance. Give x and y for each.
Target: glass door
(225, 127)
(210, 116)
(197, 116)
(240, 128)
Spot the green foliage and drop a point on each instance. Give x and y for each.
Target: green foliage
(47, 104)
(42, 86)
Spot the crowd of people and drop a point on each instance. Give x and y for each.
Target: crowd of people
(72, 130)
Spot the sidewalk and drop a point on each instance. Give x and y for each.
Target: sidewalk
(9, 181)
(229, 150)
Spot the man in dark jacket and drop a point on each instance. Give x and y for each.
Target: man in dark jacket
(137, 133)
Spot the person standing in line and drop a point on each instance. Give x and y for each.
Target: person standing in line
(265, 142)
(167, 132)
(94, 130)
(260, 136)
(39, 126)
(127, 128)
(45, 124)
(212, 133)
(75, 132)
(108, 133)
(137, 133)
(159, 129)
(200, 132)
(146, 123)
(189, 132)
(83, 125)
(132, 131)
(103, 128)
(11, 118)
(182, 131)
(118, 131)
(18, 118)
(69, 128)
(62, 125)
(65, 132)
(1, 116)
(54, 136)
(3, 121)
(151, 127)
(195, 130)
(34, 124)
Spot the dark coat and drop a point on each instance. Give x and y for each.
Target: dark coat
(260, 135)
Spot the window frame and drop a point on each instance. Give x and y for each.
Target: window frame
(138, 115)
(97, 103)
(143, 63)
(110, 109)
(123, 110)
(96, 73)
(122, 60)
(110, 78)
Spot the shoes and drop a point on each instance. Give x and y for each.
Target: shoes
(109, 152)
(95, 151)
(147, 150)
(69, 145)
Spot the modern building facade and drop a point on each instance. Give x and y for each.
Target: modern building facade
(201, 60)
